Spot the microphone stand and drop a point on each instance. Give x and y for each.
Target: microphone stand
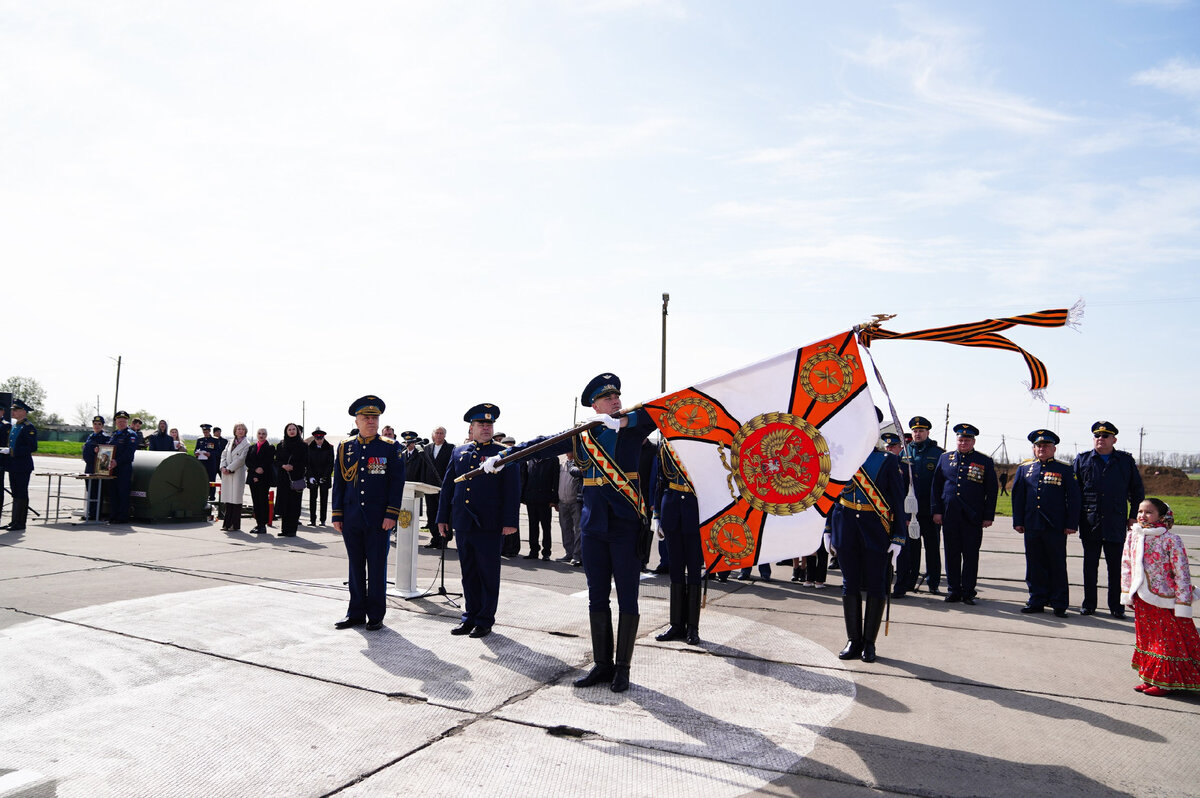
(441, 591)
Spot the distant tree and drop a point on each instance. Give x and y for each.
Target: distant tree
(29, 391)
(148, 419)
(83, 414)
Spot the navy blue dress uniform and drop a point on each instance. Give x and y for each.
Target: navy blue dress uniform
(22, 443)
(867, 519)
(923, 458)
(614, 506)
(678, 512)
(368, 488)
(94, 486)
(1112, 490)
(124, 443)
(478, 511)
(1045, 503)
(206, 445)
(907, 564)
(963, 493)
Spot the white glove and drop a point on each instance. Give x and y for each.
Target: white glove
(894, 550)
(489, 465)
(607, 420)
(658, 530)
(4, 450)
(829, 545)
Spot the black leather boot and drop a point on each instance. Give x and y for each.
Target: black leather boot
(235, 523)
(678, 629)
(871, 627)
(852, 612)
(693, 615)
(627, 626)
(602, 650)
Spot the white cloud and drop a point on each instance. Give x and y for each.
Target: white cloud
(1177, 76)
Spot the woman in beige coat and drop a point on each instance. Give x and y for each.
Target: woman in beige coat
(233, 477)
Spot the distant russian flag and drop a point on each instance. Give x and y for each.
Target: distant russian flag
(1059, 409)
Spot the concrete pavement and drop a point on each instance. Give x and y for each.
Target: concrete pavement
(182, 660)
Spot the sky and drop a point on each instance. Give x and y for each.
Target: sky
(269, 209)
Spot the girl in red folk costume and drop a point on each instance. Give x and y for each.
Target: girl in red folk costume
(1157, 584)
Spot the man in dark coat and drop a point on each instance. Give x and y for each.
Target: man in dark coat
(22, 443)
(437, 459)
(368, 489)
(1045, 503)
(963, 500)
(539, 492)
(923, 454)
(320, 471)
(1112, 490)
(481, 511)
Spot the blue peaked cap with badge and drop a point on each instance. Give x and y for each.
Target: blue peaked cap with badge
(966, 430)
(1043, 436)
(17, 404)
(919, 422)
(483, 412)
(599, 385)
(1104, 428)
(367, 406)
(890, 438)
(408, 436)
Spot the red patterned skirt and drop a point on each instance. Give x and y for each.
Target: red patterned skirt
(1166, 651)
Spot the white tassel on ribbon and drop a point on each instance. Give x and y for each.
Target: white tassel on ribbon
(1075, 315)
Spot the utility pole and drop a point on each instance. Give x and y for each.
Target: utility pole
(303, 409)
(946, 428)
(117, 390)
(1141, 435)
(666, 299)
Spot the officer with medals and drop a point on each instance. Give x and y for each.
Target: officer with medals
(22, 443)
(206, 452)
(368, 487)
(963, 500)
(480, 512)
(678, 515)
(611, 523)
(1045, 502)
(1112, 490)
(866, 531)
(923, 454)
(125, 442)
(98, 438)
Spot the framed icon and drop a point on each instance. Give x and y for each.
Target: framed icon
(104, 460)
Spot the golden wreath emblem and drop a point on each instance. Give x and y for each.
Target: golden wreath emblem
(778, 462)
(691, 416)
(730, 539)
(404, 519)
(827, 376)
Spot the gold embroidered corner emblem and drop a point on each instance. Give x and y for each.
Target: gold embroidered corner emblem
(827, 376)
(730, 539)
(691, 416)
(404, 519)
(780, 463)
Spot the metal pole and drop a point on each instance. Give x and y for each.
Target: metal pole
(1141, 435)
(117, 390)
(303, 411)
(666, 299)
(946, 429)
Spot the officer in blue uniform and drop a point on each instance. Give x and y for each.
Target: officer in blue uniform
(611, 522)
(136, 427)
(368, 487)
(1045, 501)
(480, 512)
(22, 443)
(907, 564)
(866, 530)
(209, 456)
(679, 516)
(963, 500)
(1112, 490)
(98, 438)
(125, 442)
(923, 454)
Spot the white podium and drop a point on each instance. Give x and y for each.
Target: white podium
(407, 539)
